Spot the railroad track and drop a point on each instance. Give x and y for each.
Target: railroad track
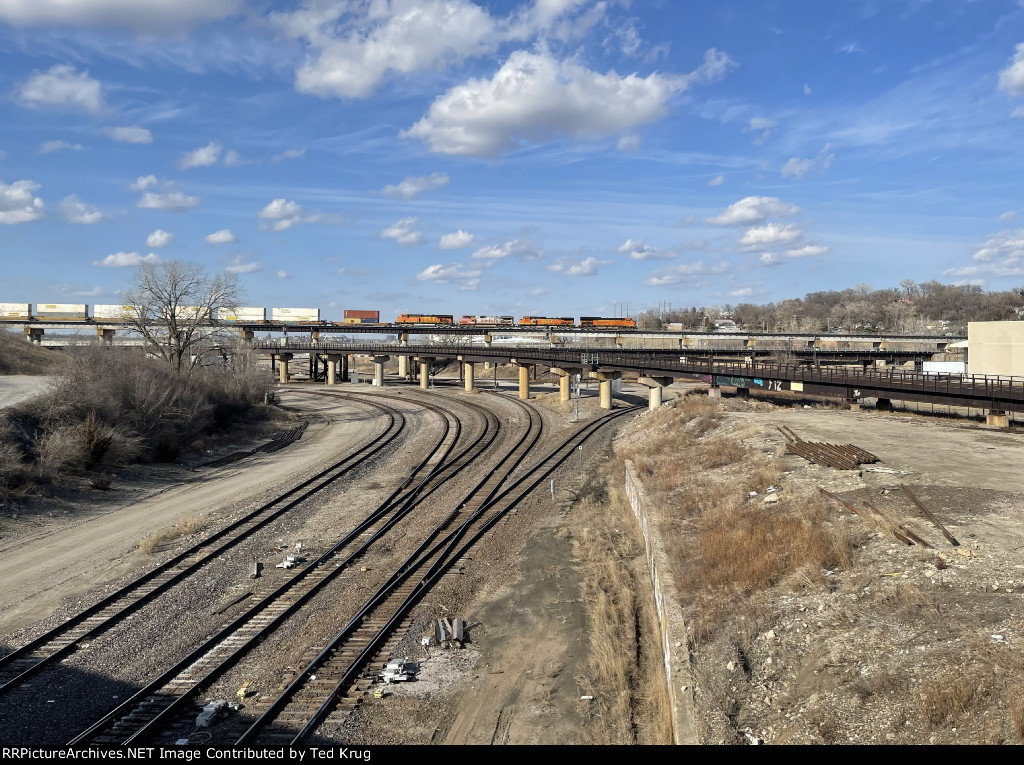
(332, 678)
(49, 648)
(164, 698)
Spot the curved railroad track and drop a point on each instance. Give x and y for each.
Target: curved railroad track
(49, 648)
(332, 677)
(166, 696)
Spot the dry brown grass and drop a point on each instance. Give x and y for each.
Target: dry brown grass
(184, 527)
(950, 697)
(1015, 707)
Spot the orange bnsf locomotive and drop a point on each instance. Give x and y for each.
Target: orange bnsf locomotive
(547, 321)
(599, 321)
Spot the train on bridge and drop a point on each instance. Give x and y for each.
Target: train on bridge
(249, 315)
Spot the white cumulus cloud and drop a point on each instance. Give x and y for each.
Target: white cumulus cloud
(413, 186)
(77, 211)
(18, 203)
(403, 232)
(175, 201)
(143, 182)
(224, 236)
(718, 180)
(51, 146)
(770, 259)
(807, 251)
(238, 267)
(534, 97)
(281, 214)
(1011, 79)
(585, 267)
(770, 233)
(159, 238)
(282, 274)
(753, 210)
(204, 156)
(130, 134)
(126, 260)
(521, 249)
(457, 241)
(356, 52)
(454, 273)
(63, 85)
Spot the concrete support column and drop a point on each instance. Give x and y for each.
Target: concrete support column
(246, 334)
(333, 360)
(654, 385)
(467, 373)
(605, 388)
(714, 392)
(284, 358)
(425, 373)
(34, 334)
(403, 338)
(524, 381)
(378, 370)
(403, 367)
(564, 376)
(107, 335)
(314, 336)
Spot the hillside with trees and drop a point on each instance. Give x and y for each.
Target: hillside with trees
(926, 308)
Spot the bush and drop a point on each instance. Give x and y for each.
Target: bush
(114, 406)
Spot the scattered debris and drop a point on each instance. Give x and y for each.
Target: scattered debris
(840, 456)
(450, 633)
(211, 712)
(927, 514)
(399, 671)
(243, 692)
(291, 561)
(886, 470)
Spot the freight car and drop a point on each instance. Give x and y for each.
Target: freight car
(16, 311)
(361, 317)
(600, 321)
(61, 312)
(295, 315)
(243, 315)
(488, 321)
(424, 318)
(113, 314)
(547, 321)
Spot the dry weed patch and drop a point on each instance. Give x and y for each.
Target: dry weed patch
(184, 527)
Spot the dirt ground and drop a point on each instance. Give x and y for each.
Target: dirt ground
(906, 645)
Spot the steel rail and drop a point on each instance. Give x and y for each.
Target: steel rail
(138, 717)
(45, 650)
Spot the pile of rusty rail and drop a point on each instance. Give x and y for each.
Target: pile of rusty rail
(840, 456)
(874, 516)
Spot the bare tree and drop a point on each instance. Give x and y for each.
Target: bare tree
(174, 305)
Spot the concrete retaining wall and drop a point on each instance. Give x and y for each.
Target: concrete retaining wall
(670, 615)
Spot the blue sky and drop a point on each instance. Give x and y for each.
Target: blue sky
(550, 157)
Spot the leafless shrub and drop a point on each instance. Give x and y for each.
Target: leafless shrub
(950, 697)
(184, 527)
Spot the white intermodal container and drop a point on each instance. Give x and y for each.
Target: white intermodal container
(113, 312)
(61, 312)
(243, 315)
(15, 310)
(295, 315)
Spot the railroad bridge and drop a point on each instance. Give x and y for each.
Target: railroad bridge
(657, 369)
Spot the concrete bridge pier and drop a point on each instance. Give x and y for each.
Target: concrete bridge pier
(246, 334)
(105, 335)
(605, 387)
(467, 374)
(282, 368)
(524, 381)
(378, 370)
(403, 367)
(314, 336)
(564, 376)
(714, 392)
(34, 335)
(425, 373)
(654, 389)
(333, 359)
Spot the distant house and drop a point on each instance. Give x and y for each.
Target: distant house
(726, 325)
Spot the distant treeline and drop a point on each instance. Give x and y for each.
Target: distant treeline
(930, 307)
